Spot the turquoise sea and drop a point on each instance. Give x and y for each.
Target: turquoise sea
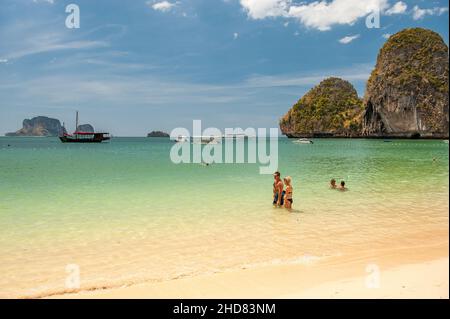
(124, 213)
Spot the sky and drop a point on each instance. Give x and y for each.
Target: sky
(142, 65)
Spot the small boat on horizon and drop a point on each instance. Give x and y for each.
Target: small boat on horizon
(237, 136)
(198, 139)
(206, 140)
(83, 137)
(181, 139)
(303, 141)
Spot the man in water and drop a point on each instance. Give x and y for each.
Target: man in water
(278, 193)
(333, 184)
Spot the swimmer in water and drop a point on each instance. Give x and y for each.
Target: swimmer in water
(342, 187)
(333, 184)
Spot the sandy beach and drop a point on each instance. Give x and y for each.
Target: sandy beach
(416, 272)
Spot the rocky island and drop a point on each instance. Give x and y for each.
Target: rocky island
(407, 92)
(157, 134)
(331, 108)
(39, 126)
(406, 95)
(88, 128)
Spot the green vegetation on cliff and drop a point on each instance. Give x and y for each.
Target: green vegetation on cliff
(407, 92)
(332, 107)
(410, 54)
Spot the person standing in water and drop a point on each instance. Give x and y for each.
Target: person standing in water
(289, 189)
(278, 192)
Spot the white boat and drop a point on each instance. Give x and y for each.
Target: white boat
(214, 142)
(303, 141)
(206, 140)
(181, 139)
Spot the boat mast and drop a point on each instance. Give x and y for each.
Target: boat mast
(76, 123)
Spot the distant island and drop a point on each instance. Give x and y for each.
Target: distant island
(46, 126)
(406, 95)
(88, 128)
(157, 134)
(39, 126)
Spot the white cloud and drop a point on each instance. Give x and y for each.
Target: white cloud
(322, 15)
(355, 73)
(398, 8)
(36, 48)
(163, 6)
(118, 88)
(348, 39)
(260, 9)
(419, 13)
(46, 1)
(386, 35)
(3, 60)
(235, 35)
(319, 15)
(36, 38)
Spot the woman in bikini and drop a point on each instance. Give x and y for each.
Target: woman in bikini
(288, 197)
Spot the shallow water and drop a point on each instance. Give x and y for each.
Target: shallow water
(124, 213)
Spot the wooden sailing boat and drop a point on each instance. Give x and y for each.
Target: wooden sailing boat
(83, 137)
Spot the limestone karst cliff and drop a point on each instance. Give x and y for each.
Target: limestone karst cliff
(407, 92)
(39, 126)
(331, 108)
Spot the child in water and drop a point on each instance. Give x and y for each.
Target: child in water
(342, 187)
(288, 197)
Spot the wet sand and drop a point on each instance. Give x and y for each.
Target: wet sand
(414, 272)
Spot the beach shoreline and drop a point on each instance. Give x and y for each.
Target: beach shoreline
(382, 274)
